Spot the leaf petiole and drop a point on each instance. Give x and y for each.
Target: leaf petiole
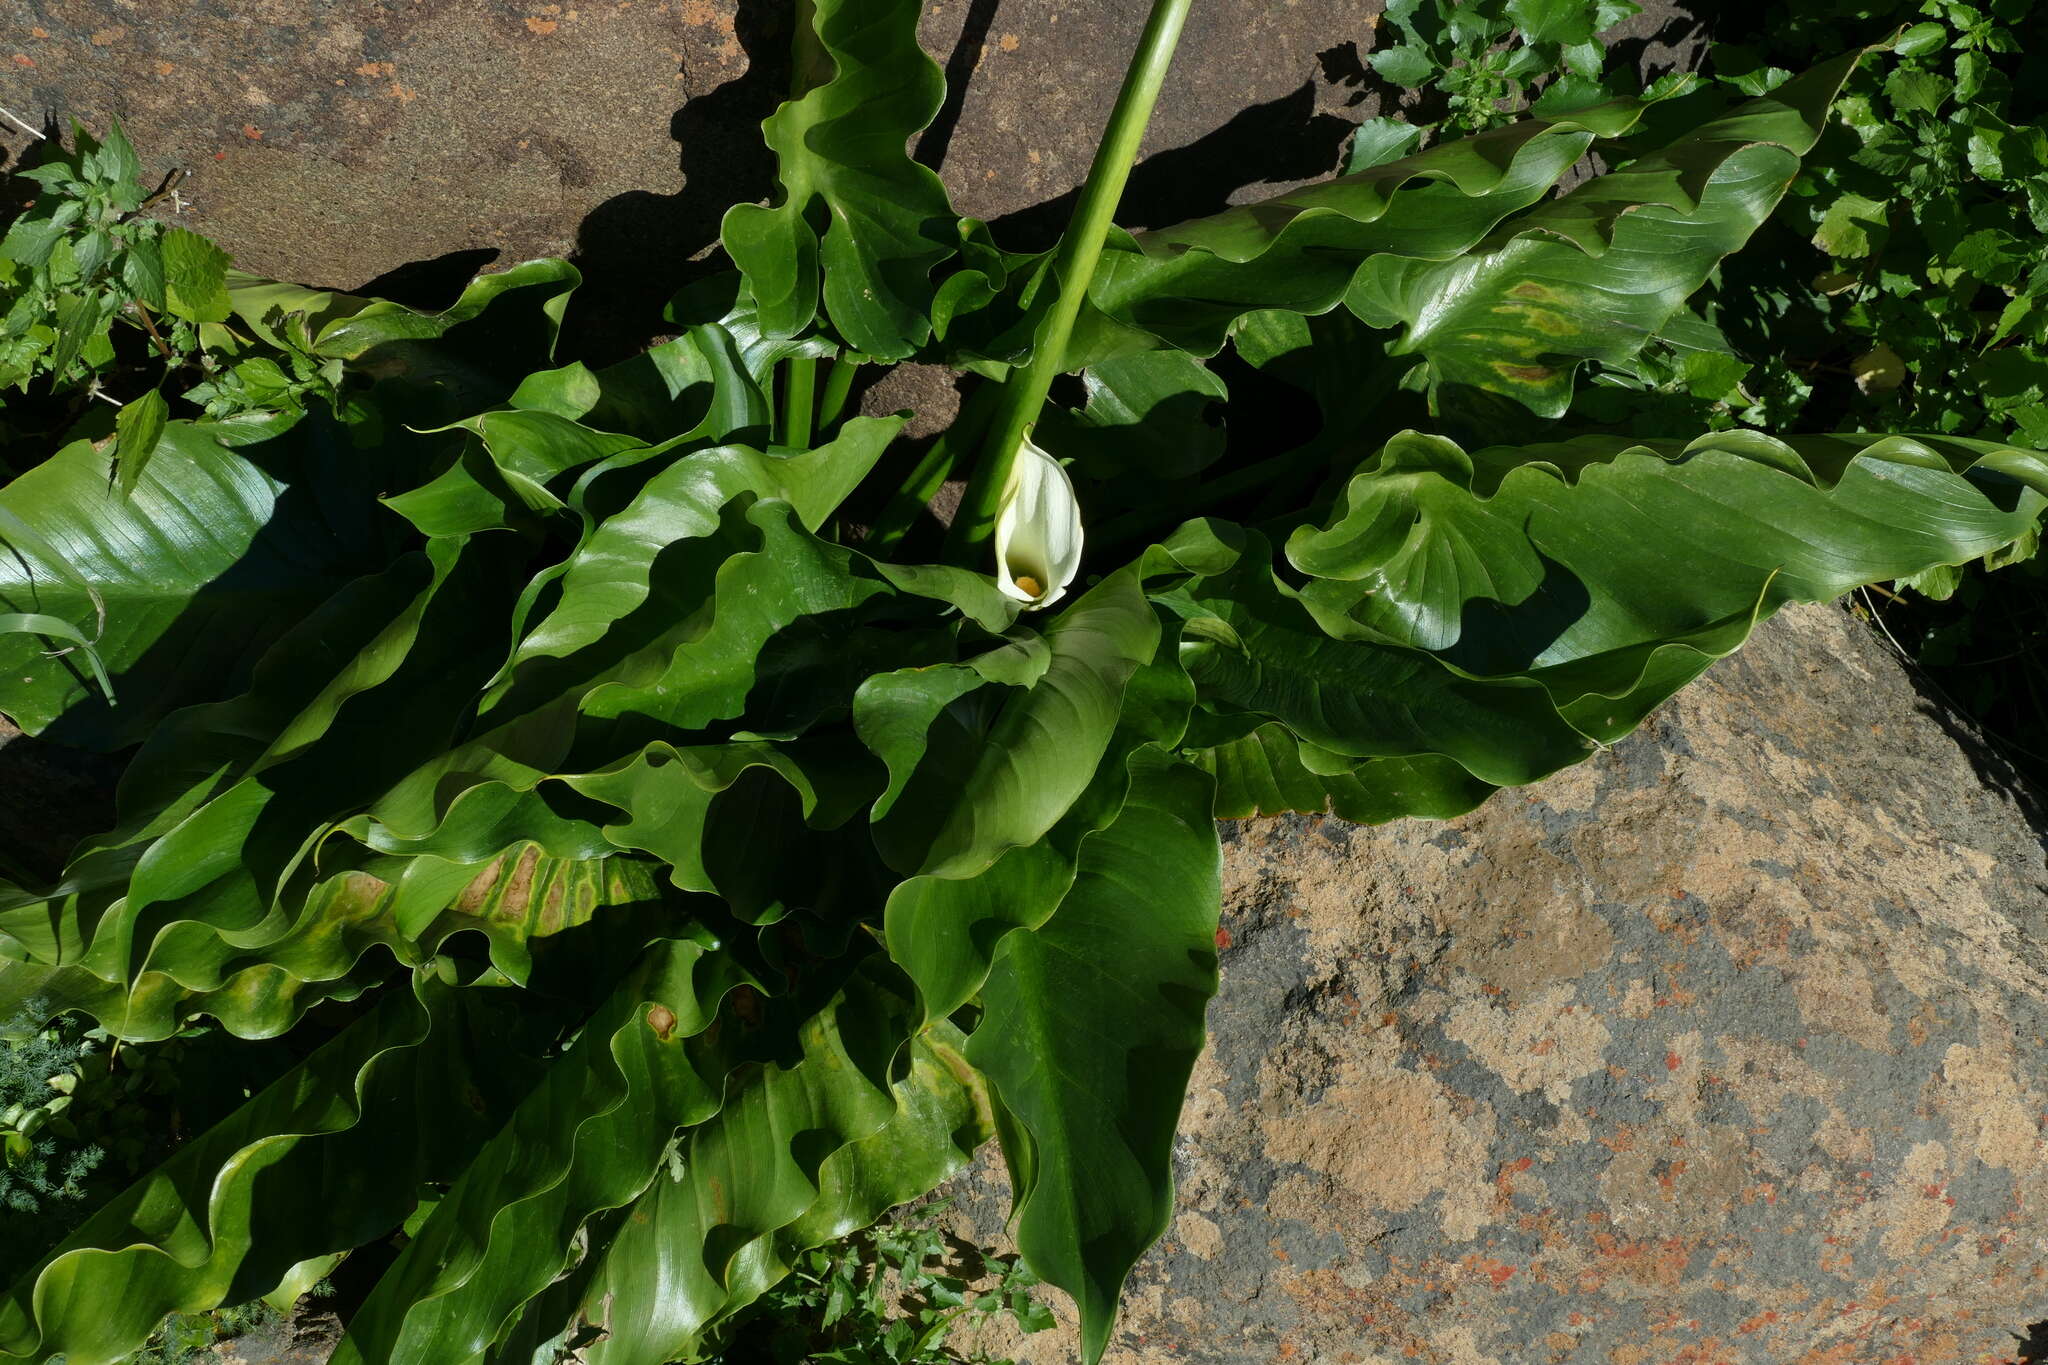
(799, 396)
(838, 387)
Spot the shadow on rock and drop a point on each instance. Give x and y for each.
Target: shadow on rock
(967, 54)
(1988, 754)
(1279, 142)
(431, 285)
(637, 249)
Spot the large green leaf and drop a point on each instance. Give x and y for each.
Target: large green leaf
(302, 1170)
(612, 573)
(1300, 250)
(701, 384)
(1149, 418)
(1597, 272)
(1482, 620)
(353, 931)
(1542, 557)
(512, 470)
(278, 313)
(1004, 775)
(1092, 1024)
(1252, 645)
(943, 930)
(587, 1139)
(196, 571)
(800, 1154)
(430, 368)
(844, 142)
(1270, 772)
(344, 326)
(792, 582)
(745, 821)
(384, 323)
(203, 887)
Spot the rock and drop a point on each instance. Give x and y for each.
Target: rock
(357, 142)
(307, 1338)
(1727, 1046)
(337, 141)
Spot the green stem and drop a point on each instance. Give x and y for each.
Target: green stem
(902, 511)
(810, 66)
(935, 1333)
(149, 326)
(799, 389)
(900, 514)
(1073, 268)
(838, 385)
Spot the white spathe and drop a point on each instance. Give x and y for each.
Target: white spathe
(1038, 530)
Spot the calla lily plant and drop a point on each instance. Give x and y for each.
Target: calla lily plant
(665, 858)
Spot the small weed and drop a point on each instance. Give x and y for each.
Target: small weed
(1484, 58)
(188, 1337)
(890, 1295)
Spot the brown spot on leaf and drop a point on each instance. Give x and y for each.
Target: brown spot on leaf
(359, 896)
(1523, 374)
(474, 895)
(746, 1003)
(519, 887)
(662, 1020)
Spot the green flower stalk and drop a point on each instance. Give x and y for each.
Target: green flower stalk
(1073, 268)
